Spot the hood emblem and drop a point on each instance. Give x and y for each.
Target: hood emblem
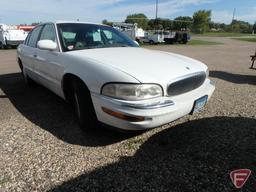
(187, 68)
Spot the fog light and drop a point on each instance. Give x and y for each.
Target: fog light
(122, 116)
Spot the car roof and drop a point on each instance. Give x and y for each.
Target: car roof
(77, 22)
(74, 22)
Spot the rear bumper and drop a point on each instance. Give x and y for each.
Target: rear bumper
(160, 111)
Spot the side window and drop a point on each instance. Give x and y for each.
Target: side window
(34, 36)
(27, 38)
(48, 33)
(108, 34)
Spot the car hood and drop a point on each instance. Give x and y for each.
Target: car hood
(147, 66)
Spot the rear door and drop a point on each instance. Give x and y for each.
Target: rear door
(47, 63)
(28, 52)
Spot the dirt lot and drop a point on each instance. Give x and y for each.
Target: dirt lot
(42, 148)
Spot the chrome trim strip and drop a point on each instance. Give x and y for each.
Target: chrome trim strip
(149, 105)
(155, 105)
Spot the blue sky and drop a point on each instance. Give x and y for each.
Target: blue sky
(27, 11)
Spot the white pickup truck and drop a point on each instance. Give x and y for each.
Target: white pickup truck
(11, 36)
(153, 37)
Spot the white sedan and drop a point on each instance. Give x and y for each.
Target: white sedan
(110, 79)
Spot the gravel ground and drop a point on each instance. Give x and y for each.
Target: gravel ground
(42, 148)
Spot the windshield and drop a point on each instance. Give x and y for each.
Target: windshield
(76, 36)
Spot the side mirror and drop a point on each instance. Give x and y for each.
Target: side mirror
(47, 45)
(137, 43)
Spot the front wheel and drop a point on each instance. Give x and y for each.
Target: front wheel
(84, 107)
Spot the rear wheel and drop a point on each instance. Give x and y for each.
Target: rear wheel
(151, 42)
(83, 106)
(26, 78)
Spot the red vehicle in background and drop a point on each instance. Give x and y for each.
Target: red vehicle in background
(26, 27)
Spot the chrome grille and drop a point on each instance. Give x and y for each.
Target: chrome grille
(186, 84)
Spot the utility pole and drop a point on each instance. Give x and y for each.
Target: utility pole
(234, 13)
(156, 9)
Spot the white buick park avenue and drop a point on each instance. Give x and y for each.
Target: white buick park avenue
(111, 80)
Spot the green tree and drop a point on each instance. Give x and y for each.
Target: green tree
(224, 27)
(159, 24)
(201, 21)
(139, 18)
(167, 24)
(106, 22)
(241, 26)
(214, 25)
(182, 22)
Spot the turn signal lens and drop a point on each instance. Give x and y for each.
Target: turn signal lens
(122, 116)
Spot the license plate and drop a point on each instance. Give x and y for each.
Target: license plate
(199, 104)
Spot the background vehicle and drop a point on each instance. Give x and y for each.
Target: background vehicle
(153, 37)
(26, 28)
(131, 30)
(181, 37)
(11, 36)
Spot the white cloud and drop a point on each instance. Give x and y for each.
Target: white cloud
(26, 11)
(166, 8)
(249, 16)
(225, 16)
(222, 16)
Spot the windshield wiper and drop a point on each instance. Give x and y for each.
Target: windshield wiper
(118, 45)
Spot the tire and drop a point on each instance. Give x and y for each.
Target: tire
(83, 106)
(151, 42)
(28, 81)
(1, 45)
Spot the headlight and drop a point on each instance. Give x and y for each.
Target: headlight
(132, 92)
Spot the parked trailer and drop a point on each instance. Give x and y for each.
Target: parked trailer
(11, 36)
(177, 37)
(131, 30)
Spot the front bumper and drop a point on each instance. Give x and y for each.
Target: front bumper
(14, 42)
(157, 112)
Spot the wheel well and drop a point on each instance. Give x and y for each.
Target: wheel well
(67, 81)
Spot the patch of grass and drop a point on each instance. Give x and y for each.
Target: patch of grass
(203, 42)
(249, 39)
(3, 180)
(223, 34)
